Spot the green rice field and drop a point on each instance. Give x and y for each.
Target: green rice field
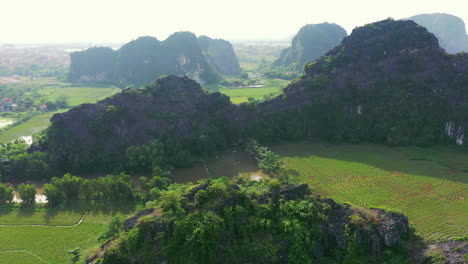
(77, 95)
(272, 87)
(28, 128)
(39, 235)
(429, 185)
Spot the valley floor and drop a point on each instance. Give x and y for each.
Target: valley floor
(429, 185)
(39, 235)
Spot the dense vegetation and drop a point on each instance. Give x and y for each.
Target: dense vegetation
(241, 221)
(143, 60)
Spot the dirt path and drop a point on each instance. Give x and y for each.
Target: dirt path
(25, 251)
(39, 225)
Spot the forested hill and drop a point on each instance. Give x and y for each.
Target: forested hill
(310, 43)
(143, 60)
(175, 111)
(449, 29)
(255, 222)
(388, 82)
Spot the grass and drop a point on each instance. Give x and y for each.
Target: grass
(51, 243)
(49, 89)
(426, 184)
(79, 95)
(28, 128)
(20, 256)
(272, 87)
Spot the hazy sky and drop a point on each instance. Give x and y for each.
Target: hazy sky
(98, 21)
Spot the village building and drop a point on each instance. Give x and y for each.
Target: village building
(43, 108)
(7, 104)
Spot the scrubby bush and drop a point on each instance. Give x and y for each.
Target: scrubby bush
(27, 193)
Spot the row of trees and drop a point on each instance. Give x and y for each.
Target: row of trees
(269, 162)
(110, 187)
(27, 193)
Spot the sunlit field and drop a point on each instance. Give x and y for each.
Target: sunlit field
(429, 185)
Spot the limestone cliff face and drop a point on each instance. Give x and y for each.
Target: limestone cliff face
(143, 60)
(95, 65)
(220, 55)
(449, 29)
(310, 43)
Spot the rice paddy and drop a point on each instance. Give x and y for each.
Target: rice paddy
(430, 186)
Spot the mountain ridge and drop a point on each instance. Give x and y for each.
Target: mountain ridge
(142, 60)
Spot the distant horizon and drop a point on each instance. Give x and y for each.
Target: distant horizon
(50, 22)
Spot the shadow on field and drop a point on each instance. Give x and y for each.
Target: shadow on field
(230, 163)
(450, 163)
(109, 208)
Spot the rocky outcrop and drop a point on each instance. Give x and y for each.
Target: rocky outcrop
(220, 55)
(449, 29)
(143, 60)
(133, 221)
(452, 252)
(310, 43)
(337, 229)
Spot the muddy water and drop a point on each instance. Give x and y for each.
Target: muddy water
(228, 164)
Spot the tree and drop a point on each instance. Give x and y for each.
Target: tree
(113, 229)
(51, 105)
(53, 194)
(69, 185)
(62, 102)
(27, 193)
(75, 255)
(6, 193)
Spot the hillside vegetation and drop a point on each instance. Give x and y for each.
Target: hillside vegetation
(242, 221)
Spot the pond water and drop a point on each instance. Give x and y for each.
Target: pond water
(6, 122)
(229, 164)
